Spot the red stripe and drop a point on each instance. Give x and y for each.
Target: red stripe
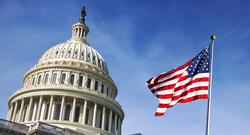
(189, 91)
(167, 96)
(159, 114)
(204, 96)
(169, 79)
(167, 87)
(163, 105)
(203, 79)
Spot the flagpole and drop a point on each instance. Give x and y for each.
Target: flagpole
(210, 84)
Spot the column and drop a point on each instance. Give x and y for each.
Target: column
(76, 79)
(39, 108)
(84, 112)
(42, 111)
(62, 108)
(73, 110)
(94, 115)
(52, 111)
(115, 124)
(50, 106)
(10, 114)
(119, 126)
(14, 113)
(103, 117)
(59, 77)
(92, 86)
(34, 112)
(110, 120)
(21, 111)
(28, 110)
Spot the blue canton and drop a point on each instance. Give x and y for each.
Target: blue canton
(200, 63)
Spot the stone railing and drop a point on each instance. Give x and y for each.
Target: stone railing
(50, 129)
(12, 126)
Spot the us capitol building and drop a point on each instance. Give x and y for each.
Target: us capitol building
(69, 91)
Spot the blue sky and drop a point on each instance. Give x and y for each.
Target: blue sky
(139, 39)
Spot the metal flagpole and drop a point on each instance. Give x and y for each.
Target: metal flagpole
(210, 84)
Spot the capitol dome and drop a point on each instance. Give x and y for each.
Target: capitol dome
(69, 87)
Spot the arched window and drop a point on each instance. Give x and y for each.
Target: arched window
(46, 112)
(88, 83)
(58, 109)
(33, 81)
(77, 114)
(72, 78)
(63, 78)
(102, 88)
(67, 112)
(80, 81)
(96, 85)
(39, 79)
(46, 78)
(54, 78)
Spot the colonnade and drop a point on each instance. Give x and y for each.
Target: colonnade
(65, 109)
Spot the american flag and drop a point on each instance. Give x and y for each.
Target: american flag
(184, 84)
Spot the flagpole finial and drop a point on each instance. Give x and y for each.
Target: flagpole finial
(212, 37)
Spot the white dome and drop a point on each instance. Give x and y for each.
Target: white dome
(75, 50)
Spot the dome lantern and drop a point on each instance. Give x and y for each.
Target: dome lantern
(80, 29)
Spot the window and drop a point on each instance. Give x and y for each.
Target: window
(33, 81)
(106, 122)
(47, 112)
(46, 78)
(102, 88)
(87, 117)
(99, 118)
(31, 113)
(80, 81)
(94, 62)
(63, 78)
(77, 114)
(39, 79)
(58, 109)
(67, 112)
(88, 83)
(96, 85)
(107, 92)
(24, 113)
(54, 78)
(72, 77)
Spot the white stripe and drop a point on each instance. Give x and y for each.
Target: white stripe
(161, 110)
(165, 83)
(165, 101)
(195, 93)
(171, 75)
(169, 91)
(197, 84)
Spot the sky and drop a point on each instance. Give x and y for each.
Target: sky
(139, 39)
